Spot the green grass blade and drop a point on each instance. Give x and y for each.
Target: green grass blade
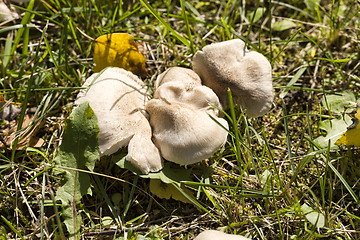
(298, 74)
(166, 25)
(12, 227)
(188, 28)
(26, 20)
(348, 188)
(107, 200)
(195, 202)
(7, 54)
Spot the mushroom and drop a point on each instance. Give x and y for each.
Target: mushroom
(179, 116)
(217, 235)
(179, 74)
(7, 12)
(229, 64)
(118, 99)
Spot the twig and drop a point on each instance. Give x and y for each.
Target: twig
(112, 232)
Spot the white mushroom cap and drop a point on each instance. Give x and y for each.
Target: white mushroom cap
(182, 127)
(217, 235)
(248, 75)
(179, 74)
(117, 97)
(7, 12)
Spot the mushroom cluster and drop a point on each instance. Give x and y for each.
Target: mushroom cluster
(182, 122)
(179, 116)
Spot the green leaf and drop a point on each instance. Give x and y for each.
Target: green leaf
(7, 52)
(266, 180)
(315, 218)
(283, 25)
(311, 4)
(168, 190)
(25, 20)
(345, 102)
(298, 74)
(334, 128)
(79, 150)
(162, 182)
(259, 13)
(166, 175)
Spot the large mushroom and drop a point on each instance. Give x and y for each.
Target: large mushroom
(180, 118)
(217, 235)
(118, 99)
(229, 64)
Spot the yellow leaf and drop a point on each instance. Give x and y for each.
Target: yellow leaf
(166, 190)
(352, 135)
(118, 50)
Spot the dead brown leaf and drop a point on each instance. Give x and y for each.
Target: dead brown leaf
(31, 140)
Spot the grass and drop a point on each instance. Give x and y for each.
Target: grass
(265, 179)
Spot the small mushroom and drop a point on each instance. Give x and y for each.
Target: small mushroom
(179, 74)
(217, 235)
(182, 128)
(118, 98)
(248, 75)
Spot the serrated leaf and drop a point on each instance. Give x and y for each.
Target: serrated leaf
(118, 50)
(334, 128)
(259, 13)
(315, 218)
(161, 183)
(345, 102)
(352, 135)
(283, 25)
(167, 191)
(79, 150)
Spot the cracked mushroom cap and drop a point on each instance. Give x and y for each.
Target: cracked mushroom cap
(118, 98)
(248, 75)
(182, 128)
(217, 235)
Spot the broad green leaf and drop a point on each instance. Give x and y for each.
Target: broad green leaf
(334, 128)
(345, 102)
(79, 150)
(283, 25)
(167, 174)
(259, 13)
(315, 218)
(161, 183)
